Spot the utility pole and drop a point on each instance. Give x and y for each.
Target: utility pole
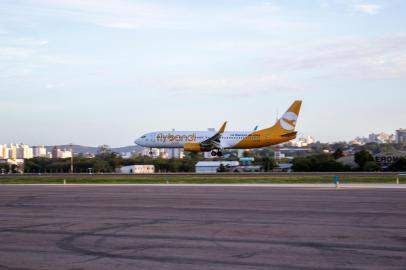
(71, 158)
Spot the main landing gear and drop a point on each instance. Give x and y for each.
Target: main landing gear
(216, 153)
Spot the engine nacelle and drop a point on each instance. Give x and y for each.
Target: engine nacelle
(192, 147)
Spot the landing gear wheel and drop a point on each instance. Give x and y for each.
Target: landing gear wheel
(219, 153)
(213, 153)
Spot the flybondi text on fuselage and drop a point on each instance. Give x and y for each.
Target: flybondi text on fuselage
(203, 141)
(164, 137)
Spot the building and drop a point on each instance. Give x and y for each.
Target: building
(58, 153)
(214, 166)
(12, 151)
(359, 141)
(175, 153)
(3, 151)
(302, 141)
(134, 169)
(24, 151)
(164, 153)
(381, 138)
(278, 153)
(14, 165)
(283, 167)
(401, 135)
(39, 151)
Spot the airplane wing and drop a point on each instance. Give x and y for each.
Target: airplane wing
(214, 141)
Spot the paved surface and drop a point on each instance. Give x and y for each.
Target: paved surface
(323, 186)
(168, 227)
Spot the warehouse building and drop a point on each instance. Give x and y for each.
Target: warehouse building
(214, 166)
(134, 169)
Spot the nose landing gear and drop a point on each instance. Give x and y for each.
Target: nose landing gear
(216, 153)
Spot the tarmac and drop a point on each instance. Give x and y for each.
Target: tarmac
(202, 227)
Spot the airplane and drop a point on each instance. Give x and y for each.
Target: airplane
(215, 142)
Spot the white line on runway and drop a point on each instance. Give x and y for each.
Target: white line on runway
(329, 186)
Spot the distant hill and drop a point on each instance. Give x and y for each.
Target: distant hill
(93, 149)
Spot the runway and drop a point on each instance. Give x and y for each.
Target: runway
(201, 227)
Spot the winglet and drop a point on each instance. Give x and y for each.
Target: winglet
(223, 127)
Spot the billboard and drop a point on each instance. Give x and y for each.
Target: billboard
(387, 158)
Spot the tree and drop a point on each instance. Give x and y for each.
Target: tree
(338, 153)
(362, 157)
(102, 149)
(248, 154)
(317, 163)
(268, 163)
(398, 165)
(221, 168)
(370, 166)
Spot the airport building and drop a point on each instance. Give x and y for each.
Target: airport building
(214, 166)
(134, 169)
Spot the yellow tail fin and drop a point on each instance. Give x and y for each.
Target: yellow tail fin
(287, 122)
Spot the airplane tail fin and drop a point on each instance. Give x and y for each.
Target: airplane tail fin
(287, 123)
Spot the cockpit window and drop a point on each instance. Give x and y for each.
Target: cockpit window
(142, 137)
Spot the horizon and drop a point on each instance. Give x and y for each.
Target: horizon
(106, 72)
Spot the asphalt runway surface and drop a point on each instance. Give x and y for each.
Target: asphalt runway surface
(201, 227)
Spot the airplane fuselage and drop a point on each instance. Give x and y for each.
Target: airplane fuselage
(229, 139)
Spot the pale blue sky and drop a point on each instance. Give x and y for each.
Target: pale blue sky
(106, 71)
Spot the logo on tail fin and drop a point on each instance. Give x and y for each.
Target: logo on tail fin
(288, 120)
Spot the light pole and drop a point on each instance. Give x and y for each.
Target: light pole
(71, 159)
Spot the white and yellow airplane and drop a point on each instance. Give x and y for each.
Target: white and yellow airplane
(215, 141)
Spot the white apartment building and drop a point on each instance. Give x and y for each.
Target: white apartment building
(175, 153)
(24, 151)
(39, 151)
(58, 153)
(400, 135)
(12, 151)
(303, 141)
(381, 137)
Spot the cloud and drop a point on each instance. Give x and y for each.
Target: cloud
(53, 85)
(106, 13)
(362, 58)
(234, 86)
(130, 15)
(370, 9)
(24, 41)
(121, 25)
(14, 51)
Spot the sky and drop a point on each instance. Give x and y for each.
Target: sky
(106, 71)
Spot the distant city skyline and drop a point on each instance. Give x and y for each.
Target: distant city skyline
(105, 72)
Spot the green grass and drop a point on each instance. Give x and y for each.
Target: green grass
(195, 179)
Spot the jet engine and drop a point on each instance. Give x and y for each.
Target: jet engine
(192, 147)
